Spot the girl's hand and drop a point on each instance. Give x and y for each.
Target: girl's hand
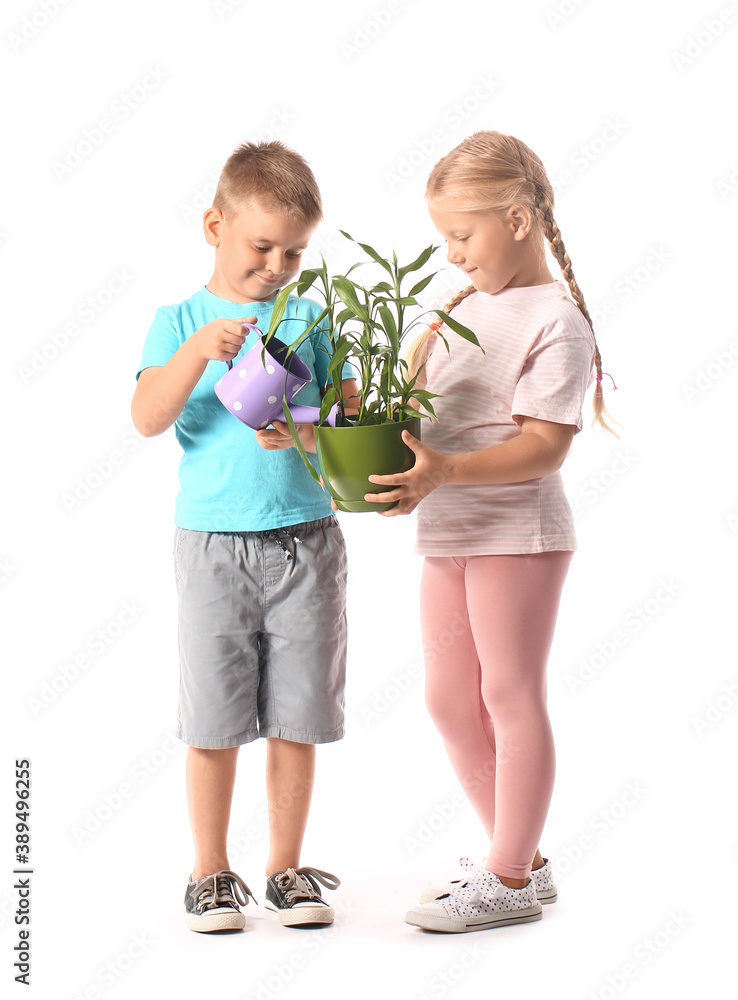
(430, 471)
(278, 436)
(220, 340)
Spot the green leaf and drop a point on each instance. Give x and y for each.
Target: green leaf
(306, 333)
(371, 251)
(418, 262)
(280, 304)
(390, 327)
(306, 280)
(416, 289)
(329, 399)
(463, 331)
(298, 443)
(360, 263)
(344, 316)
(346, 291)
(339, 356)
(406, 410)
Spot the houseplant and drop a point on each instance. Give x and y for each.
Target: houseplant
(367, 326)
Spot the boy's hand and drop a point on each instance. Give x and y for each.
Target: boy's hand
(220, 340)
(278, 436)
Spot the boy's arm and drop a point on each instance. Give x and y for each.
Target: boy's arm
(162, 391)
(350, 392)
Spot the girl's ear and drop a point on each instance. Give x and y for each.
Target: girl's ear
(520, 218)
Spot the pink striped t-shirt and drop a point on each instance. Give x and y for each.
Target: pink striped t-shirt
(538, 363)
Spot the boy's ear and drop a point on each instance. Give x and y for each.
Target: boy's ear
(212, 220)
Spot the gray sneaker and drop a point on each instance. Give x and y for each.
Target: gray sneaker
(546, 891)
(294, 895)
(212, 902)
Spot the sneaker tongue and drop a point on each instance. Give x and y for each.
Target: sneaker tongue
(296, 886)
(303, 888)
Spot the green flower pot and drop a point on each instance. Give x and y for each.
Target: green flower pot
(349, 455)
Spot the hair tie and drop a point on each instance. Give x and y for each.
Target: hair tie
(435, 326)
(598, 390)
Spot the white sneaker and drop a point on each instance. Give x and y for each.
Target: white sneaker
(542, 878)
(479, 903)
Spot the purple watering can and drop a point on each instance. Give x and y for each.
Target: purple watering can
(253, 388)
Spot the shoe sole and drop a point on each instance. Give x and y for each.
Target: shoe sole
(457, 925)
(225, 921)
(302, 914)
(428, 895)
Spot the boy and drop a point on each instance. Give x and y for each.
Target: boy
(260, 561)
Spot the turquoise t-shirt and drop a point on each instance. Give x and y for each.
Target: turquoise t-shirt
(227, 481)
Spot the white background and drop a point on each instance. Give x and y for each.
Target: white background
(630, 106)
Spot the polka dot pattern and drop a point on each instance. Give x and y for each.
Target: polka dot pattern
(483, 893)
(542, 879)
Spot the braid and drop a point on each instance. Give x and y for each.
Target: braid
(458, 298)
(419, 349)
(553, 235)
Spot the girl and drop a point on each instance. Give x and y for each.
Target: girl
(494, 524)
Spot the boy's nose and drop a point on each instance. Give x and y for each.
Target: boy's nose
(276, 263)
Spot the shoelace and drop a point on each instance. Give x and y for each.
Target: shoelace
(459, 883)
(475, 888)
(220, 888)
(302, 883)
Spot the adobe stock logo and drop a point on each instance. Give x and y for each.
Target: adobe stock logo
(32, 25)
(703, 38)
(709, 374)
(453, 116)
(119, 110)
(606, 650)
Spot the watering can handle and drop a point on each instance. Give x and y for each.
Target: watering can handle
(251, 326)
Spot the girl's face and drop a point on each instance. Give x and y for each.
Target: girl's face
(494, 250)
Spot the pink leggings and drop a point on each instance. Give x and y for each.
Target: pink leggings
(488, 623)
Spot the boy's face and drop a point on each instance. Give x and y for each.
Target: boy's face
(258, 251)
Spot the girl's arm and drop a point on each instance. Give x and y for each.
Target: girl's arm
(539, 450)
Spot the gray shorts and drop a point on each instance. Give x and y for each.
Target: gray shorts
(262, 634)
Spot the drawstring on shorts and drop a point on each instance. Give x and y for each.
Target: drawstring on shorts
(280, 536)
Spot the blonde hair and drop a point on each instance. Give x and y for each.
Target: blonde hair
(274, 176)
(493, 171)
